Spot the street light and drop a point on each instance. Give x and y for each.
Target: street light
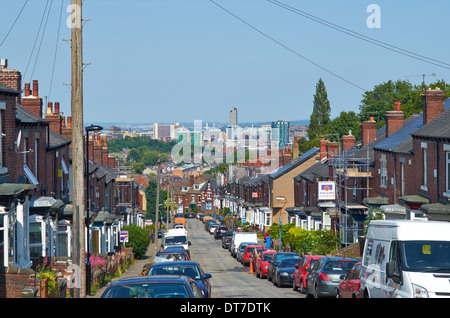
(91, 128)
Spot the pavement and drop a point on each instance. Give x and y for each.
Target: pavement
(133, 270)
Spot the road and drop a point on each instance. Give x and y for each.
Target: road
(229, 278)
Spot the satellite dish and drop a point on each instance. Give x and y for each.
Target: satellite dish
(19, 137)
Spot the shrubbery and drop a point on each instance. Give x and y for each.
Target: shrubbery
(138, 239)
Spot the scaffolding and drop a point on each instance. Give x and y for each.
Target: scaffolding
(346, 166)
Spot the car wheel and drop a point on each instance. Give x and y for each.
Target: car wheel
(294, 287)
(302, 288)
(316, 295)
(308, 295)
(338, 294)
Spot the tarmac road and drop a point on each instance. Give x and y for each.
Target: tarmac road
(230, 279)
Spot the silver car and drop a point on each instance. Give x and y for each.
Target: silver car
(324, 278)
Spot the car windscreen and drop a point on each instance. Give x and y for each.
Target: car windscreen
(289, 262)
(148, 290)
(426, 256)
(176, 240)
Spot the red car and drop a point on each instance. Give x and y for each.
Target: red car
(351, 283)
(300, 273)
(245, 257)
(262, 263)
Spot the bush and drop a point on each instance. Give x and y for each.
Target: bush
(138, 239)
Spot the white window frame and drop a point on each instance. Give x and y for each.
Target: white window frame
(447, 170)
(423, 146)
(383, 172)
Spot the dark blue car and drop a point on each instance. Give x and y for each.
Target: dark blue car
(154, 287)
(187, 268)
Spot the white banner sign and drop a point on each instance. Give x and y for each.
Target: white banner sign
(327, 190)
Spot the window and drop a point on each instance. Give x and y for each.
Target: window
(448, 173)
(424, 186)
(36, 239)
(383, 171)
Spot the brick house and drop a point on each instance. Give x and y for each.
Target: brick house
(431, 146)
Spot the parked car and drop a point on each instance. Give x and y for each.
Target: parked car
(153, 287)
(245, 256)
(226, 239)
(213, 227)
(350, 285)
(284, 271)
(189, 215)
(190, 269)
(275, 261)
(262, 263)
(324, 278)
(302, 270)
(241, 249)
(255, 255)
(171, 255)
(220, 231)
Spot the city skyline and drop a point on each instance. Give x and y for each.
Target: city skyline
(178, 61)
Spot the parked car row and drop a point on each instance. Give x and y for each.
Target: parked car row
(313, 275)
(172, 275)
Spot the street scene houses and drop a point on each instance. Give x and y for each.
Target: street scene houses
(36, 182)
(401, 169)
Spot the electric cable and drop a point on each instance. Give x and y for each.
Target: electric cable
(289, 49)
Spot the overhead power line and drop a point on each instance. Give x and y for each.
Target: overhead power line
(12, 26)
(361, 36)
(289, 49)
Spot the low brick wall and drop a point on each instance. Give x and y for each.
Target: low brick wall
(13, 281)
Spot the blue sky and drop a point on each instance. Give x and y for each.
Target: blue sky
(185, 60)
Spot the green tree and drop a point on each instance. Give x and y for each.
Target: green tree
(382, 98)
(320, 117)
(342, 124)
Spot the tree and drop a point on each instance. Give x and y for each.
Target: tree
(382, 98)
(320, 117)
(342, 125)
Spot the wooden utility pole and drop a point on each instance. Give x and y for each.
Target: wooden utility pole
(157, 204)
(79, 208)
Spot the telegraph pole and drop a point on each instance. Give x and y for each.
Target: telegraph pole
(79, 208)
(157, 204)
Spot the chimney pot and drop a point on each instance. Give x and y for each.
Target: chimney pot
(398, 106)
(69, 121)
(56, 108)
(27, 89)
(50, 108)
(4, 63)
(35, 88)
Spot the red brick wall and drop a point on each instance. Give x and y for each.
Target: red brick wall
(13, 281)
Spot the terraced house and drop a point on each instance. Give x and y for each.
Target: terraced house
(35, 185)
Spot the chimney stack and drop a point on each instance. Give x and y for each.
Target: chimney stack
(348, 142)
(394, 119)
(31, 99)
(433, 104)
(368, 131)
(323, 147)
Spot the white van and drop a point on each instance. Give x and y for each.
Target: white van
(239, 237)
(406, 259)
(176, 237)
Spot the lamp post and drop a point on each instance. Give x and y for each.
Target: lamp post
(91, 128)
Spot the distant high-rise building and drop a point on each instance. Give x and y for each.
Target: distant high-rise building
(282, 133)
(233, 117)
